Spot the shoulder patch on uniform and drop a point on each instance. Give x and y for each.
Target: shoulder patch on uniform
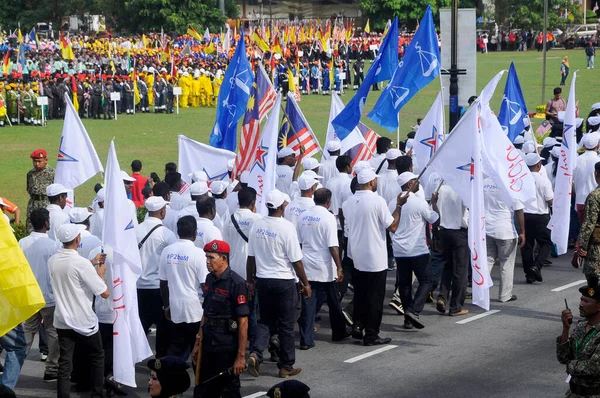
(241, 299)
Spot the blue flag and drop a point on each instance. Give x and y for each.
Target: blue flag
(419, 66)
(233, 99)
(381, 69)
(513, 110)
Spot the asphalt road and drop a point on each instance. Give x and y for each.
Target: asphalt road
(508, 353)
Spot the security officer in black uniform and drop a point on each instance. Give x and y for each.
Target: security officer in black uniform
(224, 327)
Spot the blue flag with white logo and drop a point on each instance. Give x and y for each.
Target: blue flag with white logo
(381, 69)
(513, 110)
(419, 66)
(233, 99)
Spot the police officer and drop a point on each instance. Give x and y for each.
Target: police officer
(224, 327)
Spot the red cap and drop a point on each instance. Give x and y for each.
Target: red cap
(38, 154)
(216, 246)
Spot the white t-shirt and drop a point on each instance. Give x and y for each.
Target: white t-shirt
(232, 201)
(87, 243)
(543, 193)
(317, 232)
(387, 177)
(222, 211)
(104, 306)
(58, 217)
(273, 242)
(151, 251)
(38, 248)
(367, 217)
(337, 185)
(133, 211)
(239, 248)
(583, 176)
(170, 220)
(206, 232)
(432, 183)
(183, 266)
(179, 201)
(409, 240)
(295, 190)
(188, 210)
(328, 170)
(499, 220)
(295, 209)
(285, 175)
(453, 213)
(375, 162)
(74, 282)
(97, 222)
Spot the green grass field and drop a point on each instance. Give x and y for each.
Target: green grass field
(153, 138)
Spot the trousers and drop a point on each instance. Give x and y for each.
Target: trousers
(421, 267)
(183, 338)
(33, 326)
(16, 350)
(67, 339)
(151, 313)
(503, 253)
(453, 285)
(369, 294)
(536, 231)
(321, 292)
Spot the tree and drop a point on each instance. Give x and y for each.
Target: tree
(515, 15)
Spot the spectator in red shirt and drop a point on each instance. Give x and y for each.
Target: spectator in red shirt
(138, 185)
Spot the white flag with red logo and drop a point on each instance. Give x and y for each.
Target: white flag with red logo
(430, 135)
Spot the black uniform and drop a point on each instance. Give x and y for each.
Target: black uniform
(225, 300)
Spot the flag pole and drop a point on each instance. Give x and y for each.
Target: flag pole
(398, 133)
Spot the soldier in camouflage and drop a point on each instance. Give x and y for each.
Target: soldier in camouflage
(589, 235)
(38, 179)
(581, 351)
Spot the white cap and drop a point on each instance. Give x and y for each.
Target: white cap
(230, 164)
(100, 195)
(362, 165)
(531, 159)
(590, 140)
(244, 177)
(555, 152)
(310, 163)
(68, 232)
(126, 177)
(55, 189)
(549, 142)
(77, 215)
(312, 174)
(529, 147)
(519, 140)
(405, 177)
(155, 203)
(334, 145)
(218, 187)
(275, 198)
(366, 176)
(393, 153)
(198, 188)
(199, 175)
(284, 152)
(306, 181)
(594, 120)
(596, 106)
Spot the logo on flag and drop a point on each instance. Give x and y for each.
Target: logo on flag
(431, 142)
(513, 110)
(470, 167)
(130, 225)
(62, 156)
(261, 156)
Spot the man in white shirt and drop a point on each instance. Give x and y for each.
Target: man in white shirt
(287, 169)
(337, 185)
(74, 283)
(160, 189)
(501, 237)
(128, 182)
(38, 248)
(97, 220)
(454, 238)
(152, 238)
(219, 192)
(307, 185)
(81, 215)
(389, 175)
(409, 245)
(366, 217)
(328, 168)
(537, 216)
(197, 190)
(274, 261)
(180, 194)
(378, 162)
(207, 230)
(583, 174)
(182, 270)
(57, 196)
(317, 233)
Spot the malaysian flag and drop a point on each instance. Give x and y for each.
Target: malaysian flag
(295, 130)
(364, 151)
(262, 99)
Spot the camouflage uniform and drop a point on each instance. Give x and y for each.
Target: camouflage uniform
(36, 188)
(582, 360)
(591, 263)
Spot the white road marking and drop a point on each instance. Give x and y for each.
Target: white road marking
(256, 394)
(370, 354)
(565, 287)
(476, 317)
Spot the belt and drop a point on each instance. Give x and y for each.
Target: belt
(216, 322)
(583, 390)
(38, 197)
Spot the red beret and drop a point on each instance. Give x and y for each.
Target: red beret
(38, 154)
(216, 246)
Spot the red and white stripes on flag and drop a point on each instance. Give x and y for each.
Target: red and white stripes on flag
(364, 151)
(296, 131)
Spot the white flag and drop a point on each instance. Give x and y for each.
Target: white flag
(196, 156)
(481, 280)
(227, 41)
(502, 162)
(353, 139)
(561, 206)
(263, 169)
(429, 136)
(130, 342)
(77, 157)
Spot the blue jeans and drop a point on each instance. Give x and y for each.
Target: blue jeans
(16, 349)
(321, 292)
(437, 266)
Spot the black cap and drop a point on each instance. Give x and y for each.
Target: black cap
(591, 292)
(289, 389)
(172, 375)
